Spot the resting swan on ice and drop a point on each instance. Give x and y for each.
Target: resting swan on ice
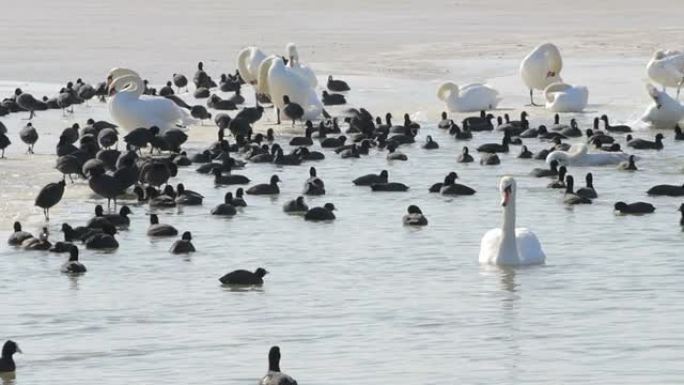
(508, 245)
(578, 156)
(561, 97)
(131, 109)
(470, 98)
(541, 67)
(665, 112)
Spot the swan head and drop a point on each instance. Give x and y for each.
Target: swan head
(507, 190)
(554, 60)
(659, 54)
(292, 53)
(118, 72)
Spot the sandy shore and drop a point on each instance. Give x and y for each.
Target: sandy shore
(48, 41)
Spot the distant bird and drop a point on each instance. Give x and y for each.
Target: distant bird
(266, 189)
(27, 102)
(643, 144)
(634, 208)
(570, 197)
(73, 266)
(324, 213)
(274, 376)
(628, 165)
(226, 208)
(18, 236)
(180, 81)
(337, 85)
(167, 89)
(333, 99)
(157, 229)
(49, 196)
(29, 135)
(244, 278)
(296, 206)
(414, 217)
(667, 190)
(292, 110)
(369, 179)
(183, 245)
(7, 362)
(200, 112)
(4, 143)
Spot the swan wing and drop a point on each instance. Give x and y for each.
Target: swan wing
(489, 246)
(529, 248)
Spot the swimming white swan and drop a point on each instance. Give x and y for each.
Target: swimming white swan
(130, 109)
(667, 69)
(302, 69)
(277, 80)
(508, 245)
(469, 98)
(579, 156)
(665, 112)
(248, 61)
(541, 67)
(562, 97)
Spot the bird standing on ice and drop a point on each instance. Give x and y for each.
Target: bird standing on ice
(541, 67)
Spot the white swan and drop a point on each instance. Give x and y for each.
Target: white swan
(130, 109)
(277, 80)
(248, 61)
(665, 112)
(579, 156)
(508, 245)
(302, 69)
(562, 97)
(470, 98)
(541, 67)
(667, 69)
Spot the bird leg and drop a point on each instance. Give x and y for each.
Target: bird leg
(679, 87)
(278, 115)
(71, 179)
(532, 103)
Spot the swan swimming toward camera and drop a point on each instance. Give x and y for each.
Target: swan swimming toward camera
(665, 112)
(562, 97)
(508, 245)
(277, 80)
(131, 109)
(541, 67)
(302, 69)
(579, 156)
(469, 98)
(666, 68)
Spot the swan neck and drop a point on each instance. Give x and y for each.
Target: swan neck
(508, 251)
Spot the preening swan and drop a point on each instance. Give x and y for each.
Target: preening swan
(541, 67)
(562, 97)
(665, 112)
(578, 155)
(130, 109)
(278, 80)
(666, 68)
(302, 69)
(508, 245)
(248, 61)
(469, 98)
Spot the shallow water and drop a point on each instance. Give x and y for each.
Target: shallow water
(363, 299)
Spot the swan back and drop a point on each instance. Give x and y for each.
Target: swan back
(542, 67)
(469, 98)
(248, 62)
(665, 112)
(283, 80)
(562, 97)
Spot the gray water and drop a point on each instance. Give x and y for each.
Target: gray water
(362, 299)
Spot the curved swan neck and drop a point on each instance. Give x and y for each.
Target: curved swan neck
(508, 251)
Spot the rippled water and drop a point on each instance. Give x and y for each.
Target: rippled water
(364, 299)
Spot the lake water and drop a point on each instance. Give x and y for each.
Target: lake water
(363, 299)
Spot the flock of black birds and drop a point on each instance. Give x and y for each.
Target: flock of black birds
(90, 152)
